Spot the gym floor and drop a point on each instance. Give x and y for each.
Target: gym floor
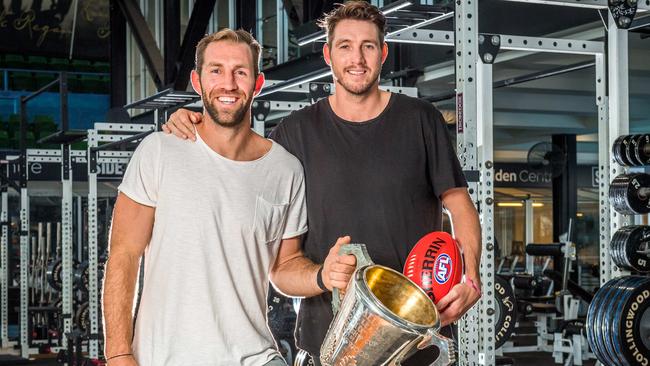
(531, 359)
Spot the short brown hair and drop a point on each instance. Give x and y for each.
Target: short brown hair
(227, 34)
(357, 10)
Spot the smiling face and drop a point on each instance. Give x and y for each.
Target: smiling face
(355, 55)
(227, 82)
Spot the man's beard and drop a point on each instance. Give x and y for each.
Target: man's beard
(362, 89)
(227, 119)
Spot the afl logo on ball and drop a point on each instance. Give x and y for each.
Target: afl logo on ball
(442, 268)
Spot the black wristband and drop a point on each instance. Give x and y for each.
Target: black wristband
(319, 280)
(117, 356)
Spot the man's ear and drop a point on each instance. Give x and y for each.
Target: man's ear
(195, 78)
(326, 54)
(384, 52)
(259, 83)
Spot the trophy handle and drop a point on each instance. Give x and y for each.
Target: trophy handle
(445, 345)
(363, 259)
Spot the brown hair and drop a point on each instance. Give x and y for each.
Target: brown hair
(357, 10)
(227, 34)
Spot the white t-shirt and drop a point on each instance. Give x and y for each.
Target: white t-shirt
(218, 226)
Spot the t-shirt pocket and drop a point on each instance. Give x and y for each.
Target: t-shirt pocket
(269, 220)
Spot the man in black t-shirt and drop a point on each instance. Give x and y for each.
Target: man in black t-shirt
(379, 167)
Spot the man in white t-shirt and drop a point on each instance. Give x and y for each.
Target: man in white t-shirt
(214, 220)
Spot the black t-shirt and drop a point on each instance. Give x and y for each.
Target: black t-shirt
(379, 181)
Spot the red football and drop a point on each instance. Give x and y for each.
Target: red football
(435, 264)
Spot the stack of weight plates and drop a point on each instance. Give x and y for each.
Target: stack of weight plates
(632, 150)
(625, 197)
(629, 248)
(618, 322)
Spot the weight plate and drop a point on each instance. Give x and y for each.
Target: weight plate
(591, 322)
(617, 194)
(619, 237)
(81, 277)
(629, 248)
(621, 296)
(626, 195)
(54, 269)
(82, 317)
(642, 149)
(630, 150)
(625, 142)
(594, 321)
(634, 327)
(506, 312)
(619, 150)
(601, 319)
(636, 249)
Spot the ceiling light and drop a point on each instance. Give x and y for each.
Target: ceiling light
(510, 204)
(391, 8)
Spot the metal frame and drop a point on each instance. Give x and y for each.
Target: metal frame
(619, 121)
(49, 156)
(614, 108)
(196, 29)
(474, 122)
(282, 33)
(102, 132)
(274, 105)
(474, 116)
(66, 241)
(24, 266)
(145, 40)
(304, 88)
(4, 266)
(472, 327)
(530, 234)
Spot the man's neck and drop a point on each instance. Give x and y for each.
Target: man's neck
(238, 143)
(358, 108)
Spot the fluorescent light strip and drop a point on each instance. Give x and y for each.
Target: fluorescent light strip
(510, 204)
(391, 8)
(312, 38)
(423, 23)
(570, 3)
(320, 35)
(518, 204)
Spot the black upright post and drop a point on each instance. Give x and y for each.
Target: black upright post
(22, 142)
(565, 186)
(65, 125)
(118, 56)
(565, 191)
(245, 15)
(63, 94)
(172, 41)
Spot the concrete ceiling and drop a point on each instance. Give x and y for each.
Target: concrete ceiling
(530, 112)
(526, 113)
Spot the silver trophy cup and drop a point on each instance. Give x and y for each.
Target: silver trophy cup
(383, 319)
